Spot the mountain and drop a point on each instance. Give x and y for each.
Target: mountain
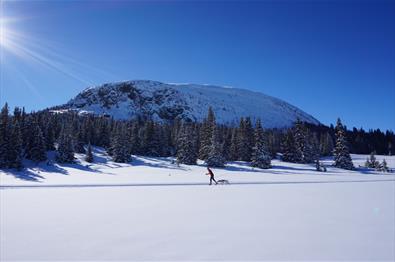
(162, 102)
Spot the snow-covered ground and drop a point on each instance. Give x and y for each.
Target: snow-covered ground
(156, 210)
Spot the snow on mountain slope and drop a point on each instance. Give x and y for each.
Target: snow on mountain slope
(162, 102)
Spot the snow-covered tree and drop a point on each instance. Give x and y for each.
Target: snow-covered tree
(15, 154)
(371, 162)
(288, 147)
(245, 140)
(206, 134)
(120, 149)
(5, 133)
(215, 157)
(341, 152)
(186, 145)
(35, 147)
(65, 150)
(260, 154)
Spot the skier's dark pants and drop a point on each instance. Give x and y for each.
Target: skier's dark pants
(212, 179)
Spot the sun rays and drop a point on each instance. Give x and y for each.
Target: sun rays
(21, 51)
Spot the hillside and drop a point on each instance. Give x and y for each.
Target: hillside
(190, 102)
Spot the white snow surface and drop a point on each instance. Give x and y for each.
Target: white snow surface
(153, 209)
(161, 102)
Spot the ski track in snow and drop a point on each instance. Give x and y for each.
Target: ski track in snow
(192, 184)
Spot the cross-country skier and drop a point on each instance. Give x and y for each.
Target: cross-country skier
(211, 174)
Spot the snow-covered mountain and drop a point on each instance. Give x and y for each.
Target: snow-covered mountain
(161, 102)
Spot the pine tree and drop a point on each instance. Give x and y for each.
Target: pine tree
(15, 153)
(79, 142)
(341, 152)
(49, 136)
(35, 147)
(215, 157)
(186, 146)
(120, 150)
(206, 134)
(288, 147)
(233, 151)
(301, 146)
(5, 132)
(260, 156)
(65, 150)
(245, 140)
(89, 154)
(326, 145)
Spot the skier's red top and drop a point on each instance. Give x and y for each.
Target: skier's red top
(210, 172)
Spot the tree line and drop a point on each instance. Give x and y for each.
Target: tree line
(30, 135)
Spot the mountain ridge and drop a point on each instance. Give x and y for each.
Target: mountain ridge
(190, 102)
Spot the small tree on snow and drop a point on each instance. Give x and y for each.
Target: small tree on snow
(341, 152)
(371, 162)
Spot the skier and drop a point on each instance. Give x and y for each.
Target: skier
(211, 174)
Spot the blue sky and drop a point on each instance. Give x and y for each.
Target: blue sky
(330, 58)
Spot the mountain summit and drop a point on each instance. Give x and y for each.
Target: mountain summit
(162, 102)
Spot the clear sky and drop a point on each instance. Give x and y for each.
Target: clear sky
(329, 58)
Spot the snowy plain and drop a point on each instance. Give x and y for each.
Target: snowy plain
(154, 209)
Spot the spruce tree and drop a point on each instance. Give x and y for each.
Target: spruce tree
(215, 157)
(89, 154)
(301, 146)
(35, 147)
(206, 134)
(260, 155)
(341, 152)
(5, 132)
(186, 146)
(15, 154)
(120, 149)
(234, 142)
(288, 147)
(245, 139)
(79, 142)
(65, 150)
(326, 144)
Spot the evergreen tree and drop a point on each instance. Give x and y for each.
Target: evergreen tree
(49, 136)
(215, 157)
(326, 145)
(5, 133)
(89, 154)
(206, 134)
(341, 152)
(35, 147)
(301, 145)
(288, 147)
(234, 142)
(260, 156)
(371, 162)
(245, 140)
(186, 146)
(15, 153)
(65, 150)
(120, 150)
(79, 142)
